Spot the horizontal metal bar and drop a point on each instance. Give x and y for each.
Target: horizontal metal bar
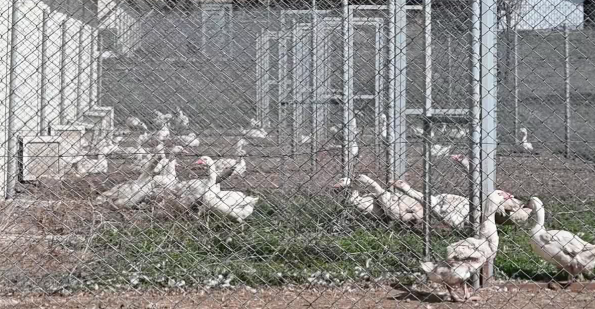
(439, 111)
(381, 7)
(309, 12)
(358, 21)
(364, 97)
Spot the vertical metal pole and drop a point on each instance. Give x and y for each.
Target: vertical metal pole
(266, 74)
(378, 100)
(489, 94)
(315, 98)
(397, 34)
(11, 164)
(79, 111)
(259, 76)
(427, 159)
(283, 82)
(515, 79)
(348, 114)
(567, 91)
(43, 123)
(99, 67)
(63, 57)
(91, 69)
(475, 117)
(449, 67)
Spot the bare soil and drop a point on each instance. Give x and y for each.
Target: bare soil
(301, 297)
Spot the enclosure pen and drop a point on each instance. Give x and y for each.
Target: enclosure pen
(290, 154)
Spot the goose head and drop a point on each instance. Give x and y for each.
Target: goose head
(401, 185)
(342, 183)
(178, 149)
(205, 160)
(494, 200)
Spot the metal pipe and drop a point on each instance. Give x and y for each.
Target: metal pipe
(63, 73)
(79, 95)
(12, 164)
(348, 128)
(315, 98)
(43, 121)
(515, 79)
(396, 156)
(474, 109)
(91, 64)
(567, 91)
(378, 100)
(449, 67)
(427, 148)
(99, 67)
(489, 94)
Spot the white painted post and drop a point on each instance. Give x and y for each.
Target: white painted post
(427, 159)
(348, 113)
(43, 119)
(474, 125)
(567, 91)
(489, 94)
(397, 140)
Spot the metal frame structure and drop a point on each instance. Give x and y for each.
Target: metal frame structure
(219, 8)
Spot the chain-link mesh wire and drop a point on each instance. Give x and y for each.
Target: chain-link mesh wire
(289, 154)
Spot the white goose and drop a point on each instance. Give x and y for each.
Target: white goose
(163, 133)
(133, 123)
(418, 131)
(467, 256)
(512, 211)
(525, 145)
(396, 206)
(562, 249)
(450, 208)
(227, 167)
(366, 203)
(166, 173)
(85, 166)
(189, 140)
(181, 121)
(131, 192)
(255, 123)
(236, 205)
(161, 119)
(382, 122)
(458, 132)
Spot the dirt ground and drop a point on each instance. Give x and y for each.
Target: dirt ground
(301, 297)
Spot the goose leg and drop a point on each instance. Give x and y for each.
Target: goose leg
(468, 296)
(453, 296)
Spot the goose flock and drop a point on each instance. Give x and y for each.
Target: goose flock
(157, 166)
(397, 203)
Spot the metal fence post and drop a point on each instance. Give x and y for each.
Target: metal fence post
(397, 161)
(43, 123)
(348, 114)
(489, 93)
(428, 124)
(63, 57)
(515, 86)
(12, 163)
(79, 112)
(567, 91)
(474, 127)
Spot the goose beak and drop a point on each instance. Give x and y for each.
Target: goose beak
(337, 185)
(200, 162)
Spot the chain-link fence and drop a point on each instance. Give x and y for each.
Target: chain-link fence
(307, 153)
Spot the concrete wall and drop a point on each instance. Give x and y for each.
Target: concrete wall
(45, 60)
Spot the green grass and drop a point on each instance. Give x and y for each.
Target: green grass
(287, 240)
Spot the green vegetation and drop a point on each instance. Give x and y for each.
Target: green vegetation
(299, 239)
